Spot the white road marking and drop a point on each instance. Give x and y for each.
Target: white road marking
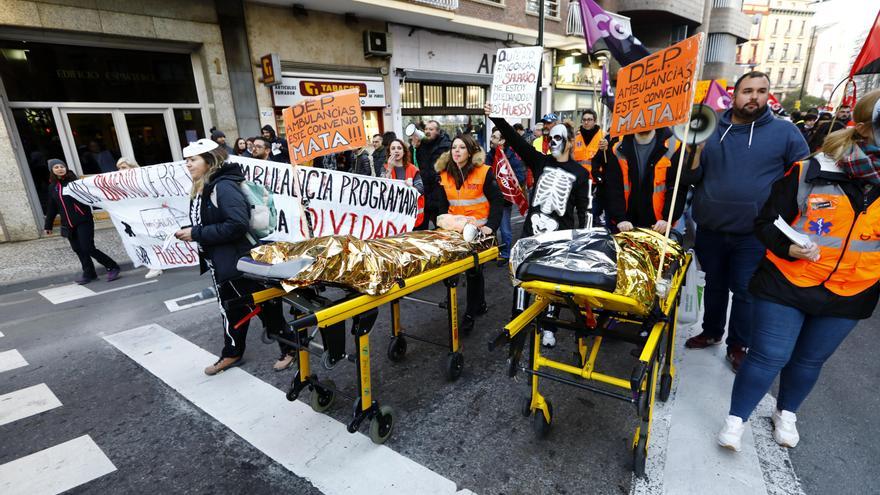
(65, 293)
(311, 445)
(72, 292)
(9, 360)
(1, 334)
(173, 306)
(11, 303)
(775, 460)
(56, 469)
(26, 402)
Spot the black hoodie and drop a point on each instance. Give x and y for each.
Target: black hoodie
(277, 147)
(72, 212)
(427, 154)
(225, 218)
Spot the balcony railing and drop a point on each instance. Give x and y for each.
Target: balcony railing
(574, 26)
(440, 4)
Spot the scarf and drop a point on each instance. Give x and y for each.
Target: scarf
(862, 162)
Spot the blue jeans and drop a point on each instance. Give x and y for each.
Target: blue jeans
(787, 340)
(729, 261)
(506, 234)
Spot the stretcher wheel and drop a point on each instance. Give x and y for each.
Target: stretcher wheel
(640, 456)
(525, 407)
(665, 386)
(381, 425)
(539, 423)
(453, 365)
(322, 399)
(397, 349)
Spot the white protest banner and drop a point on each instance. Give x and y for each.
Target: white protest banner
(148, 204)
(515, 82)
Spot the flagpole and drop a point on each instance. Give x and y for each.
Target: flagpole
(683, 151)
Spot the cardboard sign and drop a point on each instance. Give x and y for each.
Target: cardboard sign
(148, 204)
(515, 82)
(657, 91)
(320, 125)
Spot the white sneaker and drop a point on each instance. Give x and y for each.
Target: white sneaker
(784, 430)
(548, 339)
(153, 273)
(730, 437)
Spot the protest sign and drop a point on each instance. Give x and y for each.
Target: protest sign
(148, 204)
(657, 91)
(515, 82)
(320, 125)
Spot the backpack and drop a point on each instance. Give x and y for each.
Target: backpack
(263, 218)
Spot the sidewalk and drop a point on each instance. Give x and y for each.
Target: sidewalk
(51, 257)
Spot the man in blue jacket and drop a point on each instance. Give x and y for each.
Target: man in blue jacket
(748, 152)
(520, 171)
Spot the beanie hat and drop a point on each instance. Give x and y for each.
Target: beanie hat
(217, 134)
(54, 161)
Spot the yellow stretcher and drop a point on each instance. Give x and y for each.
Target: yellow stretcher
(311, 309)
(598, 315)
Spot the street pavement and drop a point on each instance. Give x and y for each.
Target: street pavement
(103, 393)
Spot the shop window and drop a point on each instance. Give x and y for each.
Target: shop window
(433, 96)
(40, 142)
(68, 73)
(454, 96)
(189, 125)
(551, 7)
(149, 138)
(476, 97)
(412, 95)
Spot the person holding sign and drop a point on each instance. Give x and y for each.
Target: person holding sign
(809, 297)
(399, 167)
(639, 178)
(467, 187)
(220, 216)
(77, 224)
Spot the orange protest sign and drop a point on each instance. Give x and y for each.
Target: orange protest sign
(656, 91)
(320, 125)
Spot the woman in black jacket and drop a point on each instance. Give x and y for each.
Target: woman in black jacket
(220, 216)
(77, 224)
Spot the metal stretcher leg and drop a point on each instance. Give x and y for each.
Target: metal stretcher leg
(453, 364)
(643, 431)
(381, 418)
(668, 372)
(397, 345)
(303, 373)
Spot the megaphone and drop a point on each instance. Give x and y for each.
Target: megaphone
(412, 129)
(702, 124)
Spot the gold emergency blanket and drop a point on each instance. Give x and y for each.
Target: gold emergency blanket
(370, 266)
(637, 257)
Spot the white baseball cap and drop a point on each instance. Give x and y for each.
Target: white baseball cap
(203, 145)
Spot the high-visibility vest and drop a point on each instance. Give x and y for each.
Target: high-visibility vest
(469, 200)
(658, 197)
(411, 172)
(584, 152)
(848, 240)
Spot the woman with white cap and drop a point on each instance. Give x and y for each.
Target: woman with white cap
(220, 215)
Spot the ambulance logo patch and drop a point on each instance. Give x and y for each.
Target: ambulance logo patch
(820, 227)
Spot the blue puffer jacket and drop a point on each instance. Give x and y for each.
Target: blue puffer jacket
(223, 232)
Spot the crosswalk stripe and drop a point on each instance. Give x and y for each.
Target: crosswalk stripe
(9, 360)
(311, 445)
(26, 402)
(1, 334)
(72, 292)
(56, 469)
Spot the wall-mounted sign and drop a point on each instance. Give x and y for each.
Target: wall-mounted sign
(293, 89)
(271, 66)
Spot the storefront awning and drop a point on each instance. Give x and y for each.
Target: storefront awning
(453, 77)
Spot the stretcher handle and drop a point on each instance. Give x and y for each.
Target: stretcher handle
(498, 340)
(248, 317)
(246, 300)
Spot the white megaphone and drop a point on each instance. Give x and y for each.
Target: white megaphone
(412, 129)
(702, 124)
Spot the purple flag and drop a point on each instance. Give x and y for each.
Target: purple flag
(615, 30)
(717, 97)
(606, 89)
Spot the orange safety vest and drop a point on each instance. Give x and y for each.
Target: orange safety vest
(584, 153)
(848, 240)
(411, 172)
(469, 200)
(658, 197)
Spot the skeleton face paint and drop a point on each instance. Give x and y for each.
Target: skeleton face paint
(558, 137)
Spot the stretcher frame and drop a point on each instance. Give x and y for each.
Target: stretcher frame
(310, 309)
(596, 313)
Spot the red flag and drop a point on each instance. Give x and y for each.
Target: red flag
(868, 61)
(507, 181)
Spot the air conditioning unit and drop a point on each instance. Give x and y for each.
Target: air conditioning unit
(377, 44)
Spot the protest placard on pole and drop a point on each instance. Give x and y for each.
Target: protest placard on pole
(320, 125)
(657, 91)
(515, 82)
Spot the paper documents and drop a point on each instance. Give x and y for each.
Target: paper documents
(793, 235)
